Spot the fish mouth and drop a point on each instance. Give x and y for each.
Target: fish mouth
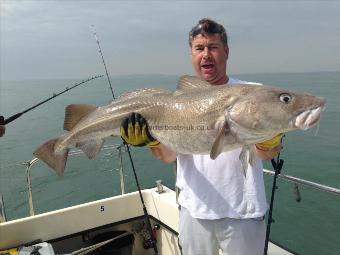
(308, 118)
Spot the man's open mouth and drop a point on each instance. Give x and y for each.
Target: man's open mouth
(207, 66)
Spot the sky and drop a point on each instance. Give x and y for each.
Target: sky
(45, 39)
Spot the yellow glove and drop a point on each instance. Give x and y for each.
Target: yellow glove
(270, 144)
(13, 251)
(134, 130)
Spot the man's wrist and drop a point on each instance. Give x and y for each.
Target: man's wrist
(260, 148)
(154, 144)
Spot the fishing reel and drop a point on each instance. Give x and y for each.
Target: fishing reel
(150, 240)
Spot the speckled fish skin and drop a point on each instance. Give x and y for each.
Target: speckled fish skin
(189, 120)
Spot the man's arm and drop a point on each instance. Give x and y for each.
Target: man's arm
(2, 126)
(164, 153)
(2, 130)
(270, 148)
(268, 154)
(134, 131)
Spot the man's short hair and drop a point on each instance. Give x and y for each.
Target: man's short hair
(208, 26)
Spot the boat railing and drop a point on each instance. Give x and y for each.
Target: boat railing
(303, 182)
(120, 149)
(30, 164)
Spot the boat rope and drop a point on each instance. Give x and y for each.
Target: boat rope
(152, 239)
(91, 248)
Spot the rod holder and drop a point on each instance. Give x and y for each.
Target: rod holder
(160, 187)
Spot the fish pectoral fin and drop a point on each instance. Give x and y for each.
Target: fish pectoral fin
(218, 144)
(46, 153)
(75, 112)
(91, 147)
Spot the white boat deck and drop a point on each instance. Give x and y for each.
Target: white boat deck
(69, 221)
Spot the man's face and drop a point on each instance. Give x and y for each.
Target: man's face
(209, 58)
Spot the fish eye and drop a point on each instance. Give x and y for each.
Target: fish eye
(285, 98)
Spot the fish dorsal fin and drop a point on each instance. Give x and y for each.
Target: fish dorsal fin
(144, 92)
(187, 82)
(75, 112)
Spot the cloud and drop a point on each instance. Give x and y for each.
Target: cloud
(53, 39)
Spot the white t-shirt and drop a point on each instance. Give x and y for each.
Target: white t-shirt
(215, 189)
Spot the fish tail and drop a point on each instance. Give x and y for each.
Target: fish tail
(56, 160)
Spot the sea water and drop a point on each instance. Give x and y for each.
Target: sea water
(309, 227)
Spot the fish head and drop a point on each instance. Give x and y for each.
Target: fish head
(263, 111)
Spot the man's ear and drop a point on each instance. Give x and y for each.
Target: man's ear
(227, 51)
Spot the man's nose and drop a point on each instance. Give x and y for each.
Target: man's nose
(206, 53)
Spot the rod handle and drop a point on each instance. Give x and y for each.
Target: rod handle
(13, 117)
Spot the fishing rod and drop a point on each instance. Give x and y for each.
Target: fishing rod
(103, 61)
(17, 115)
(151, 243)
(277, 165)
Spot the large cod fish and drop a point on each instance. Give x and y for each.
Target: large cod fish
(195, 119)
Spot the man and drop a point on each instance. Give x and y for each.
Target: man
(2, 127)
(2, 130)
(220, 208)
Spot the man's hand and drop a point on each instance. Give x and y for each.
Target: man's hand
(270, 148)
(134, 130)
(2, 126)
(2, 130)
